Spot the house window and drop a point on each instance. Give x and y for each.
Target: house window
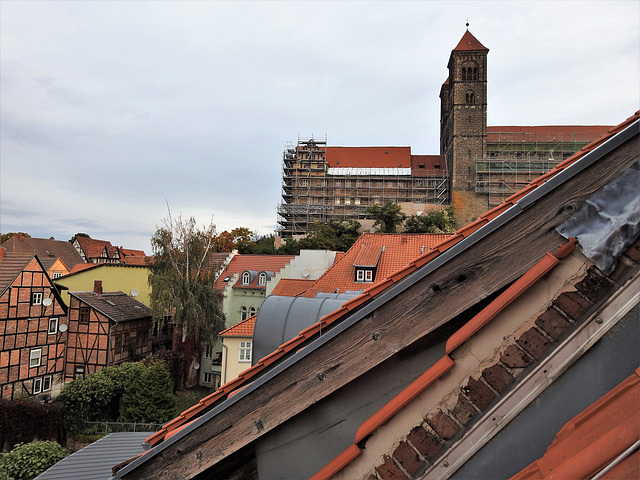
(360, 275)
(84, 314)
(35, 357)
(357, 202)
(208, 351)
(347, 183)
(53, 326)
(245, 352)
(246, 278)
(252, 312)
(57, 275)
(46, 383)
(363, 275)
(118, 345)
(337, 201)
(37, 385)
(347, 201)
(243, 313)
(368, 276)
(207, 378)
(36, 298)
(337, 183)
(262, 279)
(78, 373)
(358, 183)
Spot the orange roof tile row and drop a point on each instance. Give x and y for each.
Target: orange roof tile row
(368, 294)
(241, 329)
(445, 363)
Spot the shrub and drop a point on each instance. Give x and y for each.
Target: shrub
(28, 460)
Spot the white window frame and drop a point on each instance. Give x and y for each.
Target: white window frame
(252, 312)
(208, 351)
(37, 385)
(368, 276)
(46, 383)
(53, 322)
(243, 313)
(35, 354)
(262, 279)
(244, 352)
(56, 275)
(207, 377)
(36, 298)
(359, 275)
(246, 278)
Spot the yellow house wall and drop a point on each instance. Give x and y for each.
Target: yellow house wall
(231, 366)
(114, 278)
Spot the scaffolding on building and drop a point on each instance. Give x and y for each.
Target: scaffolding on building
(514, 159)
(312, 192)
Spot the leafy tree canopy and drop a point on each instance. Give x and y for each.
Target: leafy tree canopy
(387, 217)
(337, 235)
(181, 280)
(441, 221)
(243, 239)
(135, 392)
(28, 460)
(6, 236)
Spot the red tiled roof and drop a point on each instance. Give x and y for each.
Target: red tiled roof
(469, 43)
(240, 329)
(92, 247)
(425, 165)
(135, 260)
(368, 255)
(83, 266)
(369, 157)
(400, 249)
(45, 248)
(376, 289)
(546, 133)
(259, 263)
(127, 252)
(594, 439)
(291, 287)
(11, 264)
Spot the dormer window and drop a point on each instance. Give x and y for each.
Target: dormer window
(262, 279)
(364, 275)
(246, 278)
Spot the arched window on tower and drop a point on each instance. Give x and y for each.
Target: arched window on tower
(475, 73)
(469, 98)
(464, 74)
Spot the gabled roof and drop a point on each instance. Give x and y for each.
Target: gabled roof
(469, 43)
(240, 329)
(89, 266)
(117, 306)
(399, 250)
(93, 247)
(411, 303)
(257, 263)
(10, 267)
(45, 248)
(291, 287)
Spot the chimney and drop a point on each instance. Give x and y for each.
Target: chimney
(97, 287)
(2, 250)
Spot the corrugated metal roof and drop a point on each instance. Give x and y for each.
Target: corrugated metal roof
(94, 462)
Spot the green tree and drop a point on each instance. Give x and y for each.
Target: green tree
(148, 397)
(387, 217)
(264, 245)
(441, 221)
(337, 235)
(243, 239)
(182, 287)
(28, 460)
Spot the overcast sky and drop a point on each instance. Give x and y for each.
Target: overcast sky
(110, 109)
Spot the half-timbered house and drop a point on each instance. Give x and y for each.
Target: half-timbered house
(105, 328)
(32, 328)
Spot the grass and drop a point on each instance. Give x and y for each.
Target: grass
(188, 398)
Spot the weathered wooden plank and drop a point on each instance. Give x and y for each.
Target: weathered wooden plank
(475, 273)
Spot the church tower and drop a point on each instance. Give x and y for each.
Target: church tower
(463, 119)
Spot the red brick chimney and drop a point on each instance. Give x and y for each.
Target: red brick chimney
(2, 252)
(97, 287)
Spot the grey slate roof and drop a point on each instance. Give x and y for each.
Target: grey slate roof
(118, 306)
(94, 462)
